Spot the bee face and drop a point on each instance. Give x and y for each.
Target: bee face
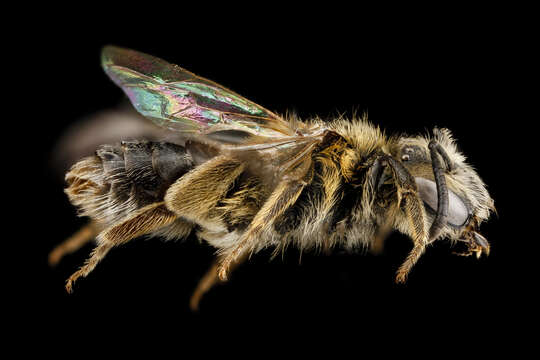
(468, 197)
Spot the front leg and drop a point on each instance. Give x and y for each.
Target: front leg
(414, 211)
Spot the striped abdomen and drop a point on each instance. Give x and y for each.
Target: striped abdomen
(122, 178)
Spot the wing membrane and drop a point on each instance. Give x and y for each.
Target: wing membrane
(212, 116)
(179, 100)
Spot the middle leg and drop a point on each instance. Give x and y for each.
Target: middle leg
(283, 197)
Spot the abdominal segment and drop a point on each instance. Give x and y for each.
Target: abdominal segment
(120, 179)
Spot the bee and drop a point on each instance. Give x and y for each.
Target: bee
(244, 178)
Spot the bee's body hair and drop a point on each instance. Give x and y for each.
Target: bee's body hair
(244, 178)
(122, 178)
(343, 201)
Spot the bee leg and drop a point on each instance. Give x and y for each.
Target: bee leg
(197, 193)
(210, 279)
(284, 196)
(382, 232)
(143, 221)
(414, 210)
(74, 242)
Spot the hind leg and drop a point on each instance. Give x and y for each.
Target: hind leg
(192, 197)
(196, 195)
(144, 221)
(74, 242)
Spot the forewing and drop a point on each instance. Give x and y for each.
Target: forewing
(220, 120)
(182, 101)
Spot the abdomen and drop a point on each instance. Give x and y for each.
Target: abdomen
(122, 178)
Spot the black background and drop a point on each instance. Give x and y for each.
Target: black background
(449, 69)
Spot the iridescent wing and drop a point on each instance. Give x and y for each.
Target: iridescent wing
(179, 100)
(212, 115)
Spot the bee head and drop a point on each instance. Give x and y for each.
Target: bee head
(468, 198)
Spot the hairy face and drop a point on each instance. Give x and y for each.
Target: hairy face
(467, 195)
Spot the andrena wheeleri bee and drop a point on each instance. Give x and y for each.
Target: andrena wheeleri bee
(244, 178)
